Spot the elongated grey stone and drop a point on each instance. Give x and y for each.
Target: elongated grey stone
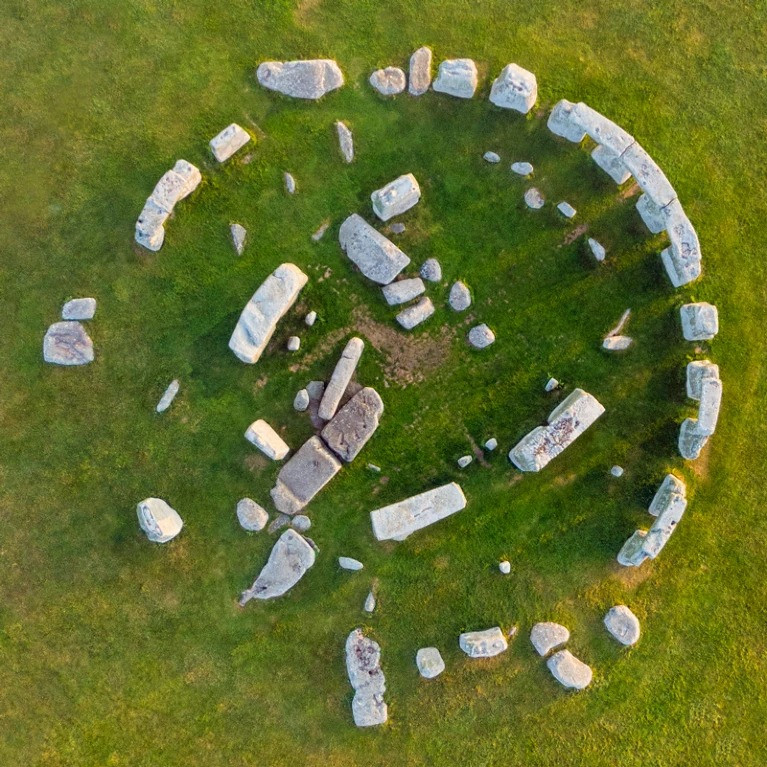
(420, 72)
(303, 79)
(697, 372)
(345, 141)
(168, 396)
(363, 667)
(342, 374)
(569, 671)
(416, 314)
(354, 424)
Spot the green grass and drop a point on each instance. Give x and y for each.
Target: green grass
(117, 652)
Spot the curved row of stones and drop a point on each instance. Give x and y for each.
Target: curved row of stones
(346, 430)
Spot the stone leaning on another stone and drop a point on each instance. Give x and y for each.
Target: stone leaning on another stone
(339, 380)
(354, 424)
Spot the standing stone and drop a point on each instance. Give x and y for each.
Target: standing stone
(290, 183)
(370, 602)
(567, 210)
(671, 493)
(396, 197)
(310, 318)
(464, 461)
(229, 141)
(548, 636)
(345, 141)
(251, 516)
(79, 309)
(697, 372)
(402, 291)
(651, 214)
(389, 81)
(700, 322)
(491, 157)
(597, 250)
(515, 88)
(522, 168)
(611, 164)
(456, 77)
(534, 199)
(158, 520)
(617, 343)
(168, 396)
(416, 314)
(294, 344)
(420, 72)
(266, 439)
(480, 336)
(67, 343)
(354, 424)
(551, 384)
(710, 402)
(320, 232)
(342, 374)
(349, 563)
(504, 566)
(491, 444)
(310, 79)
(459, 297)
(363, 666)
(150, 225)
(289, 560)
(561, 122)
(431, 270)
(569, 671)
(238, 234)
(429, 662)
(301, 523)
(622, 624)
(301, 401)
(616, 471)
(376, 257)
(483, 644)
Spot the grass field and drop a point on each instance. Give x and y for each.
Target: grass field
(114, 651)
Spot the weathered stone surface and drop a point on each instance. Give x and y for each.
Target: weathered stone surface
(597, 249)
(294, 344)
(345, 141)
(370, 602)
(616, 471)
(429, 662)
(389, 81)
(567, 210)
(522, 168)
(700, 322)
(79, 309)
(565, 424)
(491, 444)
(672, 492)
(396, 197)
(548, 636)
(349, 563)
(280, 521)
(402, 291)
(651, 214)
(710, 402)
(175, 185)
(431, 270)
(310, 318)
(320, 231)
(67, 343)
(562, 123)
(464, 461)
(354, 424)
(301, 523)
(304, 475)
(697, 372)
(251, 516)
(617, 343)
(289, 560)
(261, 314)
(534, 199)
(229, 141)
(378, 259)
(480, 336)
(651, 179)
(515, 88)
(416, 314)
(266, 439)
(456, 77)
(396, 228)
(399, 520)
(504, 566)
(459, 297)
(622, 624)
(602, 130)
(168, 396)
(420, 72)
(551, 384)
(301, 401)
(290, 183)
(238, 234)
(307, 79)
(363, 666)
(691, 439)
(682, 259)
(569, 671)
(342, 374)
(483, 644)
(150, 230)
(158, 520)
(491, 157)
(611, 164)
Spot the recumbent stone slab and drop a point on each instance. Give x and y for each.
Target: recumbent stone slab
(354, 424)
(396, 197)
(168, 396)
(363, 667)
(420, 72)
(303, 79)
(229, 141)
(483, 644)
(67, 343)
(377, 258)
(345, 141)
(79, 309)
(569, 671)
(339, 381)
(402, 291)
(266, 439)
(416, 314)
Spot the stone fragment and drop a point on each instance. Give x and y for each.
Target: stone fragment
(548, 636)
(651, 214)
(310, 318)
(569, 671)
(289, 560)
(522, 168)
(290, 183)
(504, 566)
(597, 250)
(158, 520)
(562, 122)
(399, 520)
(456, 77)
(294, 344)
(301, 401)
(378, 259)
(611, 164)
(616, 471)
(354, 424)
(261, 314)
(370, 602)
(459, 297)
(429, 662)
(567, 210)
(420, 72)
(320, 232)
(622, 624)
(697, 372)
(672, 492)
(304, 475)
(301, 522)
(551, 384)
(700, 322)
(534, 199)
(251, 516)
(682, 259)
(79, 309)
(280, 521)
(691, 439)
(229, 141)
(515, 88)
(402, 291)
(266, 439)
(431, 270)
(491, 157)
(416, 314)
(238, 234)
(617, 343)
(363, 666)
(349, 563)
(396, 197)
(483, 644)
(345, 141)
(464, 461)
(389, 81)
(308, 79)
(67, 343)
(491, 444)
(480, 336)
(342, 374)
(168, 396)
(651, 179)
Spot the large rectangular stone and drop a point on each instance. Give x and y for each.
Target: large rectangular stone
(354, 424)
(377, 258)
(651, 179)
(396, 197)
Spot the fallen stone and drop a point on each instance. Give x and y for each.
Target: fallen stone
(562, 123)
(700, 322)
(342, 374)
(363, 666)
(682, 259)
(261, 314)
(534, 199)
(229, 141)
(569, 671)
(354, 424)
(551, 384)
(238, 234)
(266, 439)
(651, 214)
(459, 297)
(67, 343)
(648, 175)
(320, 232)
(370, 602)
(289, 560)
(416, 314)
(345, 141)
(548, 636)
(491, 157)
(567, 210)
(483, 644)
(621, 324)
(251, 516)
(280, 521)
(697, 372)
(522, 168)
(290, 183)
(480, 336)
(397, 228)
(389, 81)
(158, 520)
(515, 88)
(349, 563)
(429, 662)
(301, 401)
(622, 625)
(456, 77)
(672, 492)
(310, 318)
(396, 197)
(611, 164)
(491, 444)
(175, 185)
(399, 520)
(316, 389)
(294, 344)
(464, 461)
(168, 396)
(691, 439)
(304, 475)
(616, 471)
(402, 291)
(420, 72)
(79, 309)
(617, 343)
(504, 566)
(431, 270)
(301, 523)
(373, 467)
(597, 250)
(309, 79)
(376, 257)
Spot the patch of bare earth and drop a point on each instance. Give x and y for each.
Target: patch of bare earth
(631, 190)
(575, 234)
(305, 11)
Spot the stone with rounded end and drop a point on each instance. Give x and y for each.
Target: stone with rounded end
(349, 563)
(158, 520)
(464, 461)
(429, 662)
(547, 636)
(456, 77)
(431, 270)
(491, 157)
(294, 344)
(79, 309)
(514, 88)
(420, 72)
(301, 401)
(534, 199)
(522, 168)
(168, 396)
(303, 79)
(251, 515)
(459, 297)
(569, 671)
(504, 566)
(622, 624)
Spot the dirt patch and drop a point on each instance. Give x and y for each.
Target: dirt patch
(255, 462)
(575, 234)
(631, 190)
(700, 465)
(304, 12)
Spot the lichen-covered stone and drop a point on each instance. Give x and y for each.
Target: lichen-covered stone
(377, 258)
(389, 81)
(416, 314)
(303, 79)
(251, 515)
(363, 667)
(456, 77)
(622, 625)
(700, 322)
(396, 197)
(547, 636)
(514, 88)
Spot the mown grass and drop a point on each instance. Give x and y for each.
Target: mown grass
(117, 652)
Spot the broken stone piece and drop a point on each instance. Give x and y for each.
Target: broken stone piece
(504, 566)
(294, 344)
(158, 520)
(79, 309)
(491, 444)
(551, 384)
(396, 197)
(491, 157)
(310, 318)
(431, 270)
(301, 523)
(168, 396)
(307, 79)
(534, 199)
(301, 401)
(616, 471)
(266, 439)
(370, 602)
(567, 210)
(617, 343)
(342, 374)
(238, 234)
(349, 563)
(290, 183)
(597, 249)
(700, 322)
(363, 667)
(483, 644)
(464, 461)
(522, 168)
(229, 141)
